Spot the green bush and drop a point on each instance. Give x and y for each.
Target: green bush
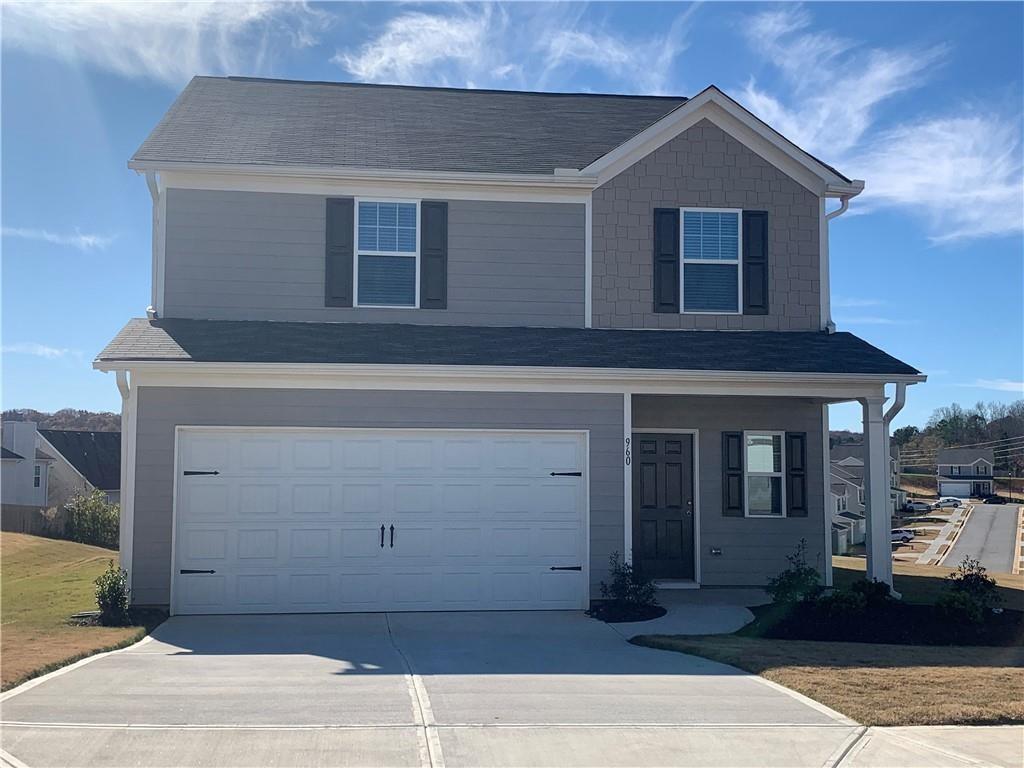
(970, 593)
(797, 583)
(112, 596)
(91, 519)
(628, 587)
(875, 593)
(842, 605)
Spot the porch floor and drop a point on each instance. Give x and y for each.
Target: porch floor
(705, 611)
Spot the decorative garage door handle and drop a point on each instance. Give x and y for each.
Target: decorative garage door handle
(566, 567)
(190, 472)
(567, 474)
(382, 535)
(392, 537)
(192, 570)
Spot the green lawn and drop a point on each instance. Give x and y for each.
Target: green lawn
(44, 581)
(878, 684)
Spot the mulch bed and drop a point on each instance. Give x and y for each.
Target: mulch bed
(895, 623)
(619, 613)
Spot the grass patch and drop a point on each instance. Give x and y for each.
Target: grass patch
(878, 684)
(45, 581)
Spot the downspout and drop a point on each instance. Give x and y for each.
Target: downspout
(154, 193)
(127, 524)
(895, 408)
(844, 205)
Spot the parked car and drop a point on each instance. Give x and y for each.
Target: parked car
(948, 501)
(902, 535)
(995, 499)
(917, 506)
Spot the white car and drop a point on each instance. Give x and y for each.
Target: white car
(902, 535)
(948, 501)
(918, 506)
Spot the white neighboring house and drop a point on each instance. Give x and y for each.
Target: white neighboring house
(852, 520)
(63, 464)
(849, 459)
(965, 472)
(25, 468)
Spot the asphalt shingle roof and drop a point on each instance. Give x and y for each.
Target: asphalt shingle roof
(964, 455)
(96, 455)
(287, 342)
(235, 120)
(7, 453)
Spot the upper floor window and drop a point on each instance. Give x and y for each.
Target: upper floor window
(711, 247)
(764, 469)
(982, 468)
(954, 469)
(387, 253)
(37, 476)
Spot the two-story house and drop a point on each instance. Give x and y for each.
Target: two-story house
(439, 349)
(965, 472)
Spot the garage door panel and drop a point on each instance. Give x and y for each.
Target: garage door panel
(292, 522)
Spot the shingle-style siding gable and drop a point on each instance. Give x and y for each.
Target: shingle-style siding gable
(703, 167)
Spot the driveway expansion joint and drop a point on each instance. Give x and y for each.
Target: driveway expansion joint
(418, 693)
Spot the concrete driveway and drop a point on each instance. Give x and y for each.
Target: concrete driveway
(456, 689)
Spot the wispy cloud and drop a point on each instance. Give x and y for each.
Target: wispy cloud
(521, 45)
(1001, 385)
(81, 240)
(962, 171)
(37, 350)
(850, 302)
(164, 41)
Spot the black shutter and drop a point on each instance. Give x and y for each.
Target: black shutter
(755, 262)
(666, 260)
(338, 270)
(732, 474)
(433, 255)
(796, 474)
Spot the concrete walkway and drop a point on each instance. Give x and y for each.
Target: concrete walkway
(698, 612)
(947, 535)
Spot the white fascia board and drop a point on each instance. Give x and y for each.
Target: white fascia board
(712, 104)
(502, 378)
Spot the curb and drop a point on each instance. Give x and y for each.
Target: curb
(956, 536)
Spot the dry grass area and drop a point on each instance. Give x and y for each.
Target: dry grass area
(879, 684)
(44, 581)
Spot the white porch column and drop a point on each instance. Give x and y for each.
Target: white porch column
(876, 491)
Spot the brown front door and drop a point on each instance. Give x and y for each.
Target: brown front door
(663, 505)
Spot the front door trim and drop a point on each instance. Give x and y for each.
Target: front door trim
(696, 490)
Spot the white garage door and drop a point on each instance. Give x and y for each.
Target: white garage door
(304, 520)
(961, 490)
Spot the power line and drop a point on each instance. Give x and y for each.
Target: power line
(978, 445)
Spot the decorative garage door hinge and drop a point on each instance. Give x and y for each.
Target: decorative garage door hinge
(193, 570)
(566, 567)
(567, 474)
(190, 472)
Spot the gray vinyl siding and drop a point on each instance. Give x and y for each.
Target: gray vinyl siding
(260, 256)
(753, 549)
(703, 167)
(161, 409)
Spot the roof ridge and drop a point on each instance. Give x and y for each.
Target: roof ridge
(452, 89)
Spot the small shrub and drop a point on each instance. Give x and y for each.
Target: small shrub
(970, 593)
(797, 583)
(91, 519)
(628, 587)
(112, 596)
(842, 605)
(875, 593)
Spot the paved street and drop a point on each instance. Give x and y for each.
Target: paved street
(989, 535)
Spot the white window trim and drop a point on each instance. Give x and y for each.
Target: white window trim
(747, 474)
(37, 476)
(683, 261)
(954, 469)
(356, 253)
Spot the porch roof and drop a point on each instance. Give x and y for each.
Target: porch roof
(252, 341)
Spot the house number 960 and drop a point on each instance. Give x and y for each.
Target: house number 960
(628, 455)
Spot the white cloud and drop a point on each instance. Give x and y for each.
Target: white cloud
(961, 172)
(496, 45)
(1001, 385)
(37, 350)
(80, 240)
(164, 41)
(849, 302)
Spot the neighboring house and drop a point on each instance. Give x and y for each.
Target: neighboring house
(84, 461)
(26, 468)
(437, 349)
(840, 539)
(965, 472)
(848, 460)
(857, 524)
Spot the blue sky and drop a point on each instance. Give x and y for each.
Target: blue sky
(922, 100)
